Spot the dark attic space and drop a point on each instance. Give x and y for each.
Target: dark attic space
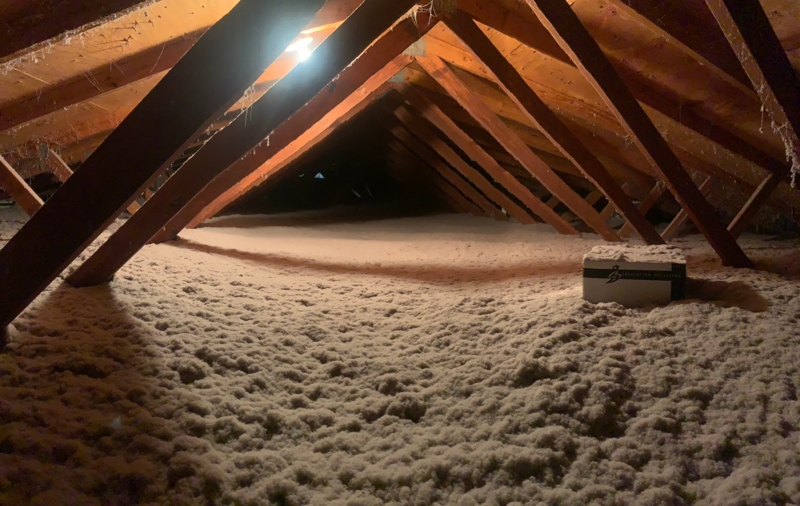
(399, 252)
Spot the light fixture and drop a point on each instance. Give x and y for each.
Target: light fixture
(303, 54)
(301, 47)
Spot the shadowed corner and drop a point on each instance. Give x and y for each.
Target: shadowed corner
(726, 294)
(3, 339)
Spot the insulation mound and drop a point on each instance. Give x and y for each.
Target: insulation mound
(438, 360)
(636, 253)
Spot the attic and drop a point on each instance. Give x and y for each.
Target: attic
(130, 130)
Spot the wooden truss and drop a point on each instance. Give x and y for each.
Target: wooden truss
(470, 129)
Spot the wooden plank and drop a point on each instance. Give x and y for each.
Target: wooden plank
(19, 190)
(609, 210)
(230, 56)
(144, 64)
(648, 203)
(28, 28)
(679, 221)
(432, 113)
(58, 166)
(275, 112)
(62, 172)
(702, 45)
(553, 128)
(251, 170)
(431, 159)
(529, 33)
(422, 130)
(590, 199)
(106, 78)
(753, 204)
(208, 202)
(514, 145)
(753, 40)
(562, 23)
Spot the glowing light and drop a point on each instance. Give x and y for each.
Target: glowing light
(303, 54)
(300, 45)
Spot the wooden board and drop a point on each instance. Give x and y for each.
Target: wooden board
(249, 131)
(562, 23)
(118, 171)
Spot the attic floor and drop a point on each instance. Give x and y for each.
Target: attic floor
(307, 359)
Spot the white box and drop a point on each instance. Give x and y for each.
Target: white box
(634, 276)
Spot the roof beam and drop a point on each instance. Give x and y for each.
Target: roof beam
(58, 166)
(753, 204)
(106, 78)
(432, 113)
(590, 199)
(61, 170)
(230, 57)
(142, 65)
(648, 203)
(753, 40)
(288, 109)
(14, 185)
(550, 125)
(225, 190)
(562, 23)
(703, 46)
(679, 221)
(422, 130)
(528, 32)
(252, 169)
(514, 145)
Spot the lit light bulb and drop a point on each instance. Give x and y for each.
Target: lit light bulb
(303, 54)
(299, 45)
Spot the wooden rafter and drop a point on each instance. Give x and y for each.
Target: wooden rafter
(392, 43)
(120, 169)
(551, 126)
(753, 40)
(759, 197)
(422, 130)
(131, 69)
(680, 219)
(703, 46)
(562, 23)
(612, 156)
(58, 166)
(432, 113)
(225, 190)
(146, 64)
(609, 209)
(246, 134)
(19, 190)
(648, 203)
(591, 199)
(513, 144)
(61, 170)
(529, 32)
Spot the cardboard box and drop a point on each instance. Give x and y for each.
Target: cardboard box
(609, 275)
